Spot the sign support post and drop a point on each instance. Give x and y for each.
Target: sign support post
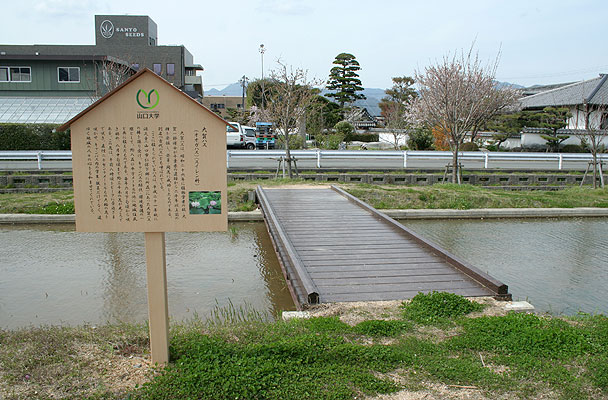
(158, 309)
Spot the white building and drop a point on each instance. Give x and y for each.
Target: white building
(584, 99)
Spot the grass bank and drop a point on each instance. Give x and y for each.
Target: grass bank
(439, 346)
(441, 196)
(464, 197)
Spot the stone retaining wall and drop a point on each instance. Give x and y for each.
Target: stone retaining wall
(514, 180)
(31, 181)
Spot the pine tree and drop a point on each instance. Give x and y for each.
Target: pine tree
(343, 78)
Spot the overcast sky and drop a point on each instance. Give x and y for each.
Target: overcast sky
(540, 41)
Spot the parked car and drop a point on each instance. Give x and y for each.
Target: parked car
(240, 136)
(250, 138)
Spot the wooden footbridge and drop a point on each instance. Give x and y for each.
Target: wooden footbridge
(334, 248)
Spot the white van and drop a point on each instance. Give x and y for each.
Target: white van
(249, 137)
(240, 136)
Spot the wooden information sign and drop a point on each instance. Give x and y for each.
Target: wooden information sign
(148, 158)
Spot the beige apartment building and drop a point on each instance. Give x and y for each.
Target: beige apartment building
(220, 104)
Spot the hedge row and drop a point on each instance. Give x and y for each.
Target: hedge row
(362, 137)
(33, 137)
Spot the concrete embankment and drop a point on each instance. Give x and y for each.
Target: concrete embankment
(252, 216)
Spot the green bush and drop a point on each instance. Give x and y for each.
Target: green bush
(573, 148)
(469, 146)
(331, 141)
(33, 137)
(434, 306)
(344, 128)
(420, 139)
(295, 142)
(362, 137)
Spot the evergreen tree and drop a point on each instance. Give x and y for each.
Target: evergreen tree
(395, 106)
(343, 78)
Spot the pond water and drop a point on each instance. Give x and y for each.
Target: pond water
(558, 265)
(52, 275)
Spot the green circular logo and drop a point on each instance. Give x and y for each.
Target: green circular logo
(147, 97)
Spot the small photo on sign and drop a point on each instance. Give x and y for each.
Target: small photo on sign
(205, 202)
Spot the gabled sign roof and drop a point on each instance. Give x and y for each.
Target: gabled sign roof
(125, 83)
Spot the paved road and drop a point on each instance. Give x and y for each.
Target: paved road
(303, 165)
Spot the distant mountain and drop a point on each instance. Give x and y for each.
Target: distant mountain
(501, 85)
(373, 96)
(234, 89)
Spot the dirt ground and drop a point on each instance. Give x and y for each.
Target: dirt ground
(354, 312)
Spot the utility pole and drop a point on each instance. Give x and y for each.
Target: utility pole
(243, 81)
(262, 50)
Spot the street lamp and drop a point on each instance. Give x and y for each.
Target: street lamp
(262, 50)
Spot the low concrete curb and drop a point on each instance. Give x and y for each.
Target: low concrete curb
(36, 219)
(70, 218)
(499, 213)
(253, 216)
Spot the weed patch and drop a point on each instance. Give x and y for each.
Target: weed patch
(437, 306)
(382, 328)
(306, 365)
(525, 334)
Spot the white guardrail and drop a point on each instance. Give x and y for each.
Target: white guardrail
(403, 156)
(407, 155)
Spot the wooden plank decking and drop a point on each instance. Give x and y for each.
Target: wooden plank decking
(336, 248)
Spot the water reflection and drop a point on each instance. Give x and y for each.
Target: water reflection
(561, 266)
(125, 277)
(276, 289)
(51, 274)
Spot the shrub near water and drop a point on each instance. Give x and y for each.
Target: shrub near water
(434, 306)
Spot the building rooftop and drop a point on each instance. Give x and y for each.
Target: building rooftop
(591, 91)
(41, 110)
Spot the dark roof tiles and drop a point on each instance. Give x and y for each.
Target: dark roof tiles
(592, 91)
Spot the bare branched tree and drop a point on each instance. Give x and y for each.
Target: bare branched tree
(394, 109)
(594, 133)
(457, 95)
(288, 103)
(112, 72)
(396, 123)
